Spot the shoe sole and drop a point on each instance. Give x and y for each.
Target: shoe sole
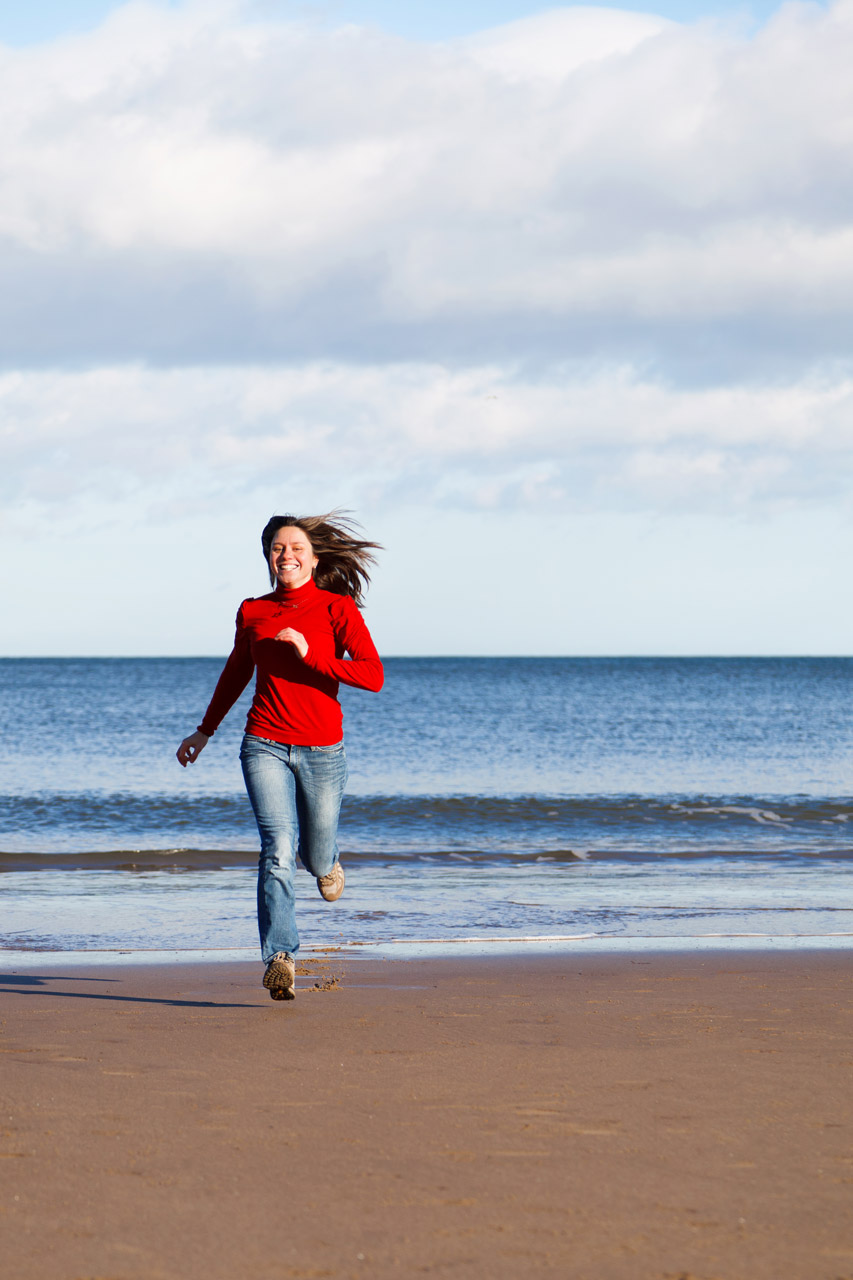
(278, 981)
(334, 891)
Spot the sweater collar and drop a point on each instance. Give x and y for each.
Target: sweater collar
(295, 595)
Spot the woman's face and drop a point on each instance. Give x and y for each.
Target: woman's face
(292, 558)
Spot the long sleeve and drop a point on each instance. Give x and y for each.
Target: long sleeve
(363, 669)
(236, 674)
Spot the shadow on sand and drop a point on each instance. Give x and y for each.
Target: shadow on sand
(28, 984)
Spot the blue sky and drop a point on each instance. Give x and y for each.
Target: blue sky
(560, 308)
(22, 24)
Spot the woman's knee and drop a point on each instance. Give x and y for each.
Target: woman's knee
(277, 855)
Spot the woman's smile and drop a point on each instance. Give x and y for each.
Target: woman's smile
(292, 557)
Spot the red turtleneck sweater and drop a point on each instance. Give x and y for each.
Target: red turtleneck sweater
(296, 699)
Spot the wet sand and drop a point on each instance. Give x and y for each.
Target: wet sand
(637, 1117)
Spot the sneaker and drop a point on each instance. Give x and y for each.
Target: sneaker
(332, 886)
(280, 975)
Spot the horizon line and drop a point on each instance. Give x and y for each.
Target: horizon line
(427, 657)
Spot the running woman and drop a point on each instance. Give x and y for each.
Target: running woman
(292, 754)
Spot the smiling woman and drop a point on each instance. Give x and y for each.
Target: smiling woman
(292, 754)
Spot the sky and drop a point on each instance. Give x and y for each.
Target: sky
(45, 20)
(557, 300)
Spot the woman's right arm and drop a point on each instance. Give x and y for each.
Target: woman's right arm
(236, 674)
(188, 751)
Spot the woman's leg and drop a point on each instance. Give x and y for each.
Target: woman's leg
(321, 775)
(270, 782)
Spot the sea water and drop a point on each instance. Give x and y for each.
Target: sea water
(589, 802)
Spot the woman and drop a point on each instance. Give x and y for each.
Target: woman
(293, 753)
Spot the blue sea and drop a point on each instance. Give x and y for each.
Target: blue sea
(585, 803)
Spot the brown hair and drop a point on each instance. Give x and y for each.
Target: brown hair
(343, 556)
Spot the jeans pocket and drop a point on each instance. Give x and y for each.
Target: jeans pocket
(328, 751)
(252, 745)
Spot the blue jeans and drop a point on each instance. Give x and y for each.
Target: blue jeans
(296, 794)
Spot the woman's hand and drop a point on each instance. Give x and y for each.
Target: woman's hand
(188, 751)
(296, 638)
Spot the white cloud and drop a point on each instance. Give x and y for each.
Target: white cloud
(593, 259)
(473, 437)
(551, 45)
(584, 182)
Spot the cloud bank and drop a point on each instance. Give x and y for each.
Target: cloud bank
(592, 257)
(478, 437)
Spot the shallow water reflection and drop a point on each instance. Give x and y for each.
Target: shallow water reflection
(416, 901)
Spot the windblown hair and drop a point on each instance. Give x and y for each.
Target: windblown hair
(343, 557)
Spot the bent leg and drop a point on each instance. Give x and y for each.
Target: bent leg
(272, 793)
(321, 775)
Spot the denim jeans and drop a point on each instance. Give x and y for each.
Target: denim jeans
(296, 794)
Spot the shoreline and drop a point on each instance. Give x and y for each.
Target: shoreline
(618, 1116)
(592, 905)
(462, 949)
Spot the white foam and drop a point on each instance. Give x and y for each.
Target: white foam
(763, 816)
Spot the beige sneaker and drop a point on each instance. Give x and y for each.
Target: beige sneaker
(332, 886)
(280, 976)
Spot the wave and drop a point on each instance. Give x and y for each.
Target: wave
(147, 860)
(144, 861)
(219, 830)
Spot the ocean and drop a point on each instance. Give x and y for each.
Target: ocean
(585, 803)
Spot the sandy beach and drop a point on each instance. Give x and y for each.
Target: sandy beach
(658, 1117)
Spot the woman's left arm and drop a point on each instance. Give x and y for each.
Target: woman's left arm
(363, 668)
